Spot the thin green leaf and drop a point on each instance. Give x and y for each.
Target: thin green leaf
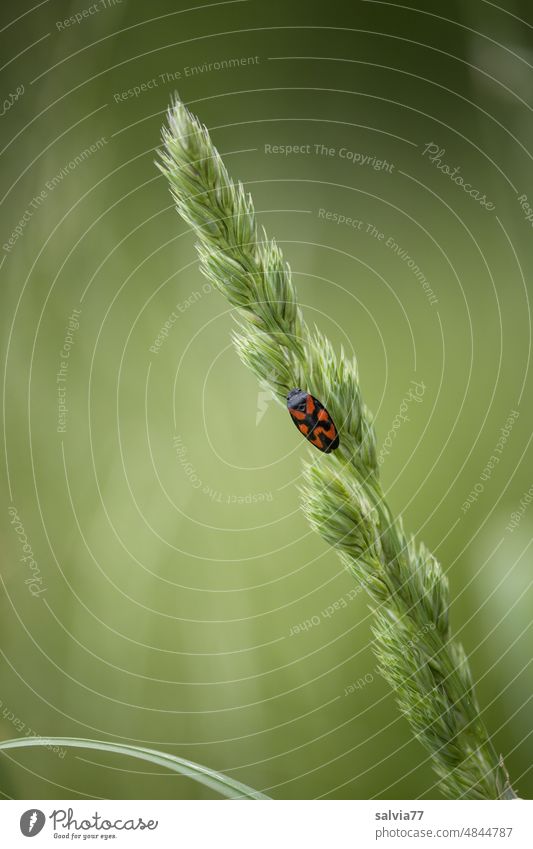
(203, 775)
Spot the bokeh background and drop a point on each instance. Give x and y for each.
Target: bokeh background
(171, 573)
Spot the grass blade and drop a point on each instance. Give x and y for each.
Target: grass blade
(222, 784)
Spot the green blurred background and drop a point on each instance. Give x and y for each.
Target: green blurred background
(173, 561)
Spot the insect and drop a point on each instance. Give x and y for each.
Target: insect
(313, 420)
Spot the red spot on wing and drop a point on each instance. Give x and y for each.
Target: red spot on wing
(296, 414)
(329, 432)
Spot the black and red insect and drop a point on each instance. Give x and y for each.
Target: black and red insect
(313, 420)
